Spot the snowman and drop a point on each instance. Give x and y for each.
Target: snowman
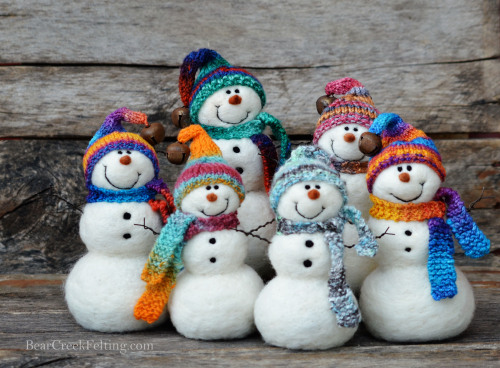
(308, 305)
(338, 132)
(119, 225)
(197, 264)
(227, 102)
(416, 293)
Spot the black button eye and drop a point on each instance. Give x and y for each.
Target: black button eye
(129, 152)
(307, 263)
(208, 187)
(346, 128)
(307, 187)
(127, 216)
(120, 152)
(317, 187)
(127, 236)
(212, 240)
(213, 260)
(408, 233)
(240, 170)
(355, 129)
(309, 243)
(236, 90)
(236, 149)
(216, 187)
(400, 168)
(408, 168)
(228, 91)
(408, 249)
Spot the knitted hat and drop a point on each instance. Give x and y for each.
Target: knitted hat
(205, 166)
(214, 73)
(354, 107)
(401, 143)
(112, 136)
(307, 163)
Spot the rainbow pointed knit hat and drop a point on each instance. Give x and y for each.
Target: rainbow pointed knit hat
(214, 73)
(205, 166)
(355, 106)
(401, 143)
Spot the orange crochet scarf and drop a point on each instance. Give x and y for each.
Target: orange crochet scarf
(386, 210)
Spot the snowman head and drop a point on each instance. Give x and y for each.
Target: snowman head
(341, 123)
(306, 188)
(116, 160)
(409, 167)
(207, 186)
(217, 93)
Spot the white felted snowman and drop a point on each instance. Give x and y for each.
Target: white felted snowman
(416, 293)
(338, 131)
(197, 264)
(308, 305)
(119, 225)
(227, 102)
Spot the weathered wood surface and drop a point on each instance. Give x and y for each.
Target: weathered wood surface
(39, 209)
(32, 312)
(255, 33)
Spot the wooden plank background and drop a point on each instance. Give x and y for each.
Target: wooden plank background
(65, 65)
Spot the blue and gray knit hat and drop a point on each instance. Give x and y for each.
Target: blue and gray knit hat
(214, 73)
(307, 163)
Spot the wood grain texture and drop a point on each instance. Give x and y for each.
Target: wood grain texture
(39, 209)
(162, 346)
(251, 33)
(73, 101)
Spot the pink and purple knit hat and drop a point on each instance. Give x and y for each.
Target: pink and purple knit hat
(214, 73)
(355, 106)
(205, 166)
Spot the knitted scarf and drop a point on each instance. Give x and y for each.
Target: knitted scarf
(341, 297)
(165, 260)
(253, 127)
(440, 264)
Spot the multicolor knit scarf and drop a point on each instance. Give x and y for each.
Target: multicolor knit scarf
(440, 264)
(254, 127)
(342, 300)
(350, 167)
(165, 260)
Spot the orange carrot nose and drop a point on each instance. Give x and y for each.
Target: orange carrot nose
(349, 137)
(234, 100)
(404, 177)
(211, 197)
(313, 194)
(125, 160)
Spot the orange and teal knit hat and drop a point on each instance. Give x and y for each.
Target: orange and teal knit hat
(401, 143)
(214, 73)
(205, 166)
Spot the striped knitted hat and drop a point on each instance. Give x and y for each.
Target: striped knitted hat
(214, 73)
(307, 163)
(112, 136)
(354, 107)
(205, 166)
(401, 143)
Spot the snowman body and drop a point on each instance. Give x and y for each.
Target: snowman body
(215, 293)
(231, 107)
(395, 298)
(341, 143)
(103, 287)
(293, 310)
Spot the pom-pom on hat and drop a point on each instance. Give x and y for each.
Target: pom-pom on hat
(355, 106)
(401, 143)
(205, 166)
(214, 73)
(307, 163)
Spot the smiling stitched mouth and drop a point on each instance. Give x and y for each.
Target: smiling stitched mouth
(225, 122)
(341, 158)
(309, 218)
(109, 181)
(410, 200)
(220, 213)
